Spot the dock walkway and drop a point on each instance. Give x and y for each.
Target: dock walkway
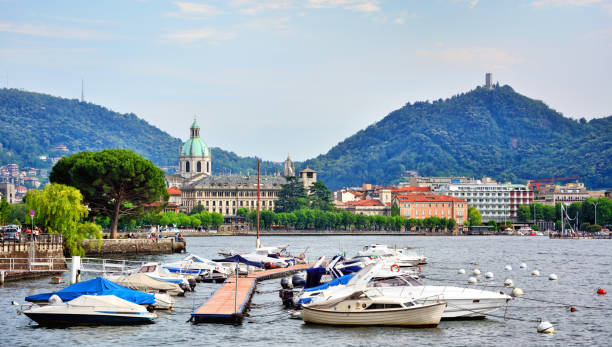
(228, 305)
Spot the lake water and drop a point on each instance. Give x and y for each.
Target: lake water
(581, 265)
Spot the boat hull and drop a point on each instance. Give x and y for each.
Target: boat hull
(427, 316)
(66, 319)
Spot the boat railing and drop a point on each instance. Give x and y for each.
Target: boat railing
(110, 266)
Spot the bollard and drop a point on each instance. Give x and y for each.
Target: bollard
(74, 268)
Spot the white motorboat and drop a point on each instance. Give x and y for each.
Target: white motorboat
(163, 301)
(155, 271)
(145, 283)
(462, 303)
(363, 308)
(205, 269)
(89, 309)
(390, 254)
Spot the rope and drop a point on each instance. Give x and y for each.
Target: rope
(504, 317)
(568, 305)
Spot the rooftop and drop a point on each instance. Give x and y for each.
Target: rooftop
(427, 198)
(238, 180)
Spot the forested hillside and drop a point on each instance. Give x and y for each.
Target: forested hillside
(497, 133)
(31, 124)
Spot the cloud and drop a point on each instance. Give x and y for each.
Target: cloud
(473, 3)
(250, 7)
(399, 21)
(479, 56)
(605, 4)
(269, 24)
(193, 10)
(54, 32)
(352, 5)
(193, 35)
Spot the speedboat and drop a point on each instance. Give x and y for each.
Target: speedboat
(365, 308)
(205, 269)
(390, 254)
(90, 309)
(144, 283)
(155, 271)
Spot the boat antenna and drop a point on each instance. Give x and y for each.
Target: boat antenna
(257, 244)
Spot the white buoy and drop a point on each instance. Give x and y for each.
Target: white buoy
(546, 328)
(523, 266)
(476, 272)
(517, 292)
(14, 303)
(508, 268)
(489, 275)
(553, 277)
(461, 271)
(508, 283)
(475, 263)
(535, 272)
(472, 280)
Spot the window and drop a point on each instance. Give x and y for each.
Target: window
(186, 166)
(199, 167)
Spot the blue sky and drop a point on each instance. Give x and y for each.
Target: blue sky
(275, 76)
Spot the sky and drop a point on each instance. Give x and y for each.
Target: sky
(271, 77)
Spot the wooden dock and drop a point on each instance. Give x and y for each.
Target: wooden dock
(228, 305)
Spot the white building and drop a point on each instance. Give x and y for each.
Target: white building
(492, 200)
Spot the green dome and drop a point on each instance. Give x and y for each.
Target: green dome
(194, 147)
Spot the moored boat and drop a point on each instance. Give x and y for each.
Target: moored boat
(361, 308)
(89, 309)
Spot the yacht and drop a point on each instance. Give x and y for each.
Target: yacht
(401, 258)
(90, 309)
(155, 271)
(205, 269)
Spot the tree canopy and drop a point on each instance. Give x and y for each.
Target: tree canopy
(59, 209)
(474, 216)
(114, 183)
(292, 196)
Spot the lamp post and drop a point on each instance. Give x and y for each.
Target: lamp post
(595, 204)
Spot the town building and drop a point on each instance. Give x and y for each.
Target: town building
(434, 182)
(488, 80)
(308, 177)
(565, 194)
(224, 194)
(421, 206)
(289, 169)
(9, 191)
(366, 207)
(520, 194)
(174, 201)
(492, 200)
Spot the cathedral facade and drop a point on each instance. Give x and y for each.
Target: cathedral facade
(224, 194)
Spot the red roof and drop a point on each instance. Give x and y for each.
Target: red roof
(173, 191)
(365, 203)
(428, 198)
(410, 189)
(355, 193)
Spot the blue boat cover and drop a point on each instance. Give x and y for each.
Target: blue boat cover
(238, 259)
(350, 269)
(97, 286)
(336, 281)
(313, 276)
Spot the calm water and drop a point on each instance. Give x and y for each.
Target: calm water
(582, 267)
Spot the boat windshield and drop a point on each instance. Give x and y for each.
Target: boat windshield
(147, 268)
(387, 282)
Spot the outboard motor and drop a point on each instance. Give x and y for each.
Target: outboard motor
(286, 283)
(192, 284)
(298, 281)
(286, 296)
(184, 287)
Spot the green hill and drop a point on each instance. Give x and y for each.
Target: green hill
(32, 124)
(497, 133)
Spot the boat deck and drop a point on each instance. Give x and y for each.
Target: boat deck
(228, 305)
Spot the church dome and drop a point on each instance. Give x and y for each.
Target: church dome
(195, 147)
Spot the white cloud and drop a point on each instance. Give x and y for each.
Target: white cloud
(192, 35)
(473, 3)
(399, 21)
(193, 11)
(53, 32)
(269, 24)
(352, 5)
(250, 7)
(579, 3)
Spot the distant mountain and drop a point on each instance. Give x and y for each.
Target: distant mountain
(33, 124)
(492, 132)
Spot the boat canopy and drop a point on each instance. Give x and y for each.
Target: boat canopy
(96, 286)
(143, 282)
(336, 281)
(239, 259)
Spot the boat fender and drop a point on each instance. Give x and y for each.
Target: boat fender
(546, 328)
(601, 291)
(395, 268)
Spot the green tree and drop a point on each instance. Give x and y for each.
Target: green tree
(492, 225)
(451, 224)
(216, 219)
(59, 209)
(291, 197)
(114, 183)
(474, 216)
(524, 213)
(242, 212)
(395, 211)
(320, 197)
(196, 209)
(5, 211)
